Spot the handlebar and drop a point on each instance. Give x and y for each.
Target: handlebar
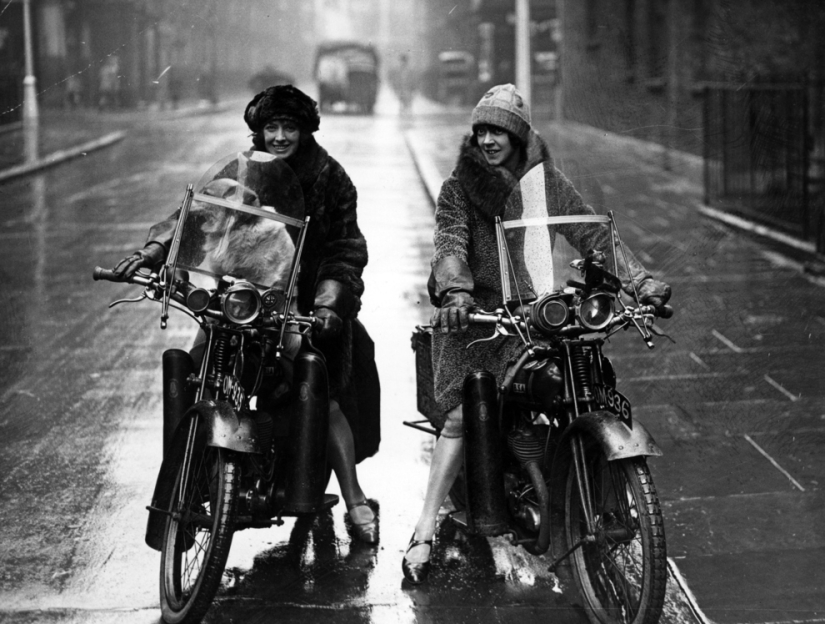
(99, 273)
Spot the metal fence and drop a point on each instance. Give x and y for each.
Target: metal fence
(758, 150)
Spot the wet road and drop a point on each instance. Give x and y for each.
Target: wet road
(79, 393)
(80, 400)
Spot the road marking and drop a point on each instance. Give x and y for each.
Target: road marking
(727, 342)
(698, 360)
(685, 376)
(691, 599)
(774, 462)
(779, 387)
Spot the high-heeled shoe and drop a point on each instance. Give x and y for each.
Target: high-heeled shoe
(416, 573)
(365, 531)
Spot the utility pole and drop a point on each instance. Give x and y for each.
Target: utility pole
(524, 74)
(30, 112)
(558, 87)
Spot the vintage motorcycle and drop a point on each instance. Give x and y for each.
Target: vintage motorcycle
(228, 464)
(556, 439)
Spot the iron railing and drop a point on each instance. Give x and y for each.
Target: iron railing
(757, 161)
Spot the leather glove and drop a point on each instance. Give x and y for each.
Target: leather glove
(331, 323)
(333, 302)
(453, 315)
(149, 256)
(653, 292)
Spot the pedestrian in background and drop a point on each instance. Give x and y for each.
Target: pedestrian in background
(465, 273)
(109, 83)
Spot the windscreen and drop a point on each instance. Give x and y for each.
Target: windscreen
(244, 222)
(536, 249)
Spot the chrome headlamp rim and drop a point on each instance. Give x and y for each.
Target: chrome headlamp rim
(582, 308)
(241, 288)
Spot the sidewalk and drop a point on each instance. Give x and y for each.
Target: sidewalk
(66, 134)
(739, 526)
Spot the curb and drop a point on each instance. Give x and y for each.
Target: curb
(62, 156)
(425, 166)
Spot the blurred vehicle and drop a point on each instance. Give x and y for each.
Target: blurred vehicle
(456, 77)
(269, 77)
(347, 76)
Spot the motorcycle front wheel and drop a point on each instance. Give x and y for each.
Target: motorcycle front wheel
(620, 568)
(198, 535)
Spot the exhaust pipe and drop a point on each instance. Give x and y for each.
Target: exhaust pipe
(483, 458)
(177, 398)
(308, 430)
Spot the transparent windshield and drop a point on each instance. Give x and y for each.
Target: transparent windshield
(244, 221)
(536, 249)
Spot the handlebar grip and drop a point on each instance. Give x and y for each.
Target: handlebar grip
(665, 312)
(104, 274)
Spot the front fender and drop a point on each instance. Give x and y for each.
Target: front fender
(228, 429)
(618, 441)
(224, 429)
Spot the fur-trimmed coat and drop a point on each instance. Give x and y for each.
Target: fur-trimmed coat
(470, 199)
(334, 249)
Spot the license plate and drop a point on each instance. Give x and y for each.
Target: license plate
(614, 401)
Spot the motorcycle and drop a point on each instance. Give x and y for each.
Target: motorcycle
(246, 412)
(556, 439)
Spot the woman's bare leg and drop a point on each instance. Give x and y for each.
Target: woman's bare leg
(444, 468)
(341, 455)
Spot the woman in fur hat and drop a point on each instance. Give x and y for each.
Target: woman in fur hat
(282, 120)
(465, 274)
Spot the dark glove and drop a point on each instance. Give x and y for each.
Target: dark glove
(653, 292)
(453, 315)
(331, 324)
(333, 302)
(149, 256)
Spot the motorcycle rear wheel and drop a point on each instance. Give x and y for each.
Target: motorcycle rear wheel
(198, 537)
(622, 573)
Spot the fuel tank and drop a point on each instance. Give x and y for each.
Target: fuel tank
(538, 384)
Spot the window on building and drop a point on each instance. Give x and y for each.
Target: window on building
(591, 8)
(628, 42)
(657, 42)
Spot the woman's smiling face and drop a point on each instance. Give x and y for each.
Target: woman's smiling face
(496, 146)
(281, 137)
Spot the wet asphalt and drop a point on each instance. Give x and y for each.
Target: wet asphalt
(735, 402)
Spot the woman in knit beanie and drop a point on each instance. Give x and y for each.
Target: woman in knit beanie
(465, 274)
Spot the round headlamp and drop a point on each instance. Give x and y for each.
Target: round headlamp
(198, 300)
(549, 314)
(241, 303)
(596, 312)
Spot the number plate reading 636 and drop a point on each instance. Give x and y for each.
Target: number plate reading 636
(614, 401)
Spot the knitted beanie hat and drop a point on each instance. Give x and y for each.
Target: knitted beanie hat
(504, 107)
(282, 101)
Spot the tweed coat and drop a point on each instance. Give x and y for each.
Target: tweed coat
(470, 199)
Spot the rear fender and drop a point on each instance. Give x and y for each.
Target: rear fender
(224, 429)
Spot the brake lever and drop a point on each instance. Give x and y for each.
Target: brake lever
(135, 300)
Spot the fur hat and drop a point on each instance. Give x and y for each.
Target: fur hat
(283, 101)
(504, 107)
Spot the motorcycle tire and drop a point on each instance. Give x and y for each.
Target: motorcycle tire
(198, 537)
(622, 573)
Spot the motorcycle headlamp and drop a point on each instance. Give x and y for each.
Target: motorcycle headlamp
(549, 313)
(241, 303)
(198, 300)
(596, 312)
